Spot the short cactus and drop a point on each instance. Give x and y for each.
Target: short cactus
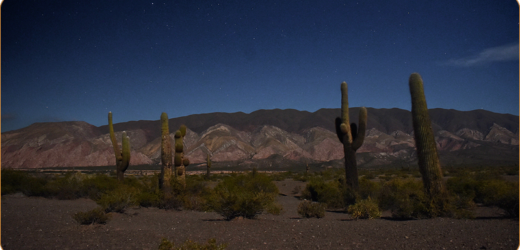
(351, 137)
(166, 155)
(208, 166)
(123, 156)
(181, 162)
(429, 164)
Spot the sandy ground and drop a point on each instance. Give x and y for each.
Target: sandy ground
(39, 223)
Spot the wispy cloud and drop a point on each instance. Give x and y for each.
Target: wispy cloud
(496, 54)
(9, 117)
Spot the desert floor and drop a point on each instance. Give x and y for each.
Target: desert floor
(39, 223)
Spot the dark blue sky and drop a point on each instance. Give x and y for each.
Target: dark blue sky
(78, 60)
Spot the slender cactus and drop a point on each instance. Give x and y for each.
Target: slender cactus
(351, 137)
(122, 157)
(429, 164)
(181, 162)
(166, 155)
(208, 166)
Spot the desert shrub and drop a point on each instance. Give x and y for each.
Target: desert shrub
(309, 209)
(21, 181)
(97, 185)
(327, 192)
(119, 199)
(192, 197)
(463, 184)
(499, 193)
(368, 188)
(461, 207)
(405, 198)
(385, 177)
(364, 209)
(196, 196)
(94, 216)
(369, 175)
(148, 199)
(303, 177)
(243, 195)
(170, 202)
(489, 190)
(512, 170)
(211, 244)
(280, 176)
(68, 186)
(12, 180)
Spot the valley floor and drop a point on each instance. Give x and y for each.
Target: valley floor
(39, 223)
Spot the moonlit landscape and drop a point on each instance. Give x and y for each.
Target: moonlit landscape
(339, 124)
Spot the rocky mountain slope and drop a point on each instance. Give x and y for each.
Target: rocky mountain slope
(472, 137)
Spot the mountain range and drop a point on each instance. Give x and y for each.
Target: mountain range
(270, 138)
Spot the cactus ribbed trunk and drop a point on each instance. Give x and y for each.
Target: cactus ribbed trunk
(123, 155)
(181, 162)
(429, 164)
(166, 155)
(351, 137)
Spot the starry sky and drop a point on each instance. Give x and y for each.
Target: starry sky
(73, 60)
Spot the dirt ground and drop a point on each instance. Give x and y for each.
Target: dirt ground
(39, 223)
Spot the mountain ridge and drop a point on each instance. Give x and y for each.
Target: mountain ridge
(289, 135)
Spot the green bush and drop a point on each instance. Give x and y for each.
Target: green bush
(211, 244)
(97, 185)
(94, 216)
(368, 188)
(21, 181)
(309, 209)
(67, 187)
(405, 198)
(364, 209)
(499, 193)
(330, 193)
(119, 199)
(13, 181)
(464, 185)
(490, 190)
(244, 195)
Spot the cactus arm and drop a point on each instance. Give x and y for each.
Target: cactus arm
(125, 156)
(345, 128)
(359, 135)
(339, 133)
(113, 139)
(182, 129)
(344, 103)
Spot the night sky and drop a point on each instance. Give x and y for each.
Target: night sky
(77, 60)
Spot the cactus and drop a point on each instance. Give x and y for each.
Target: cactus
(181, 162)
(208, 166)
(123, 156)
(351, 137)
(166, 155)
(429, 164)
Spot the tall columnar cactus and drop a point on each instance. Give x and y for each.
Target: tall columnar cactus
(181, 162)
(429, 164)
(166, 155)
(123, 156)
(208, 165)
(351, 137)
